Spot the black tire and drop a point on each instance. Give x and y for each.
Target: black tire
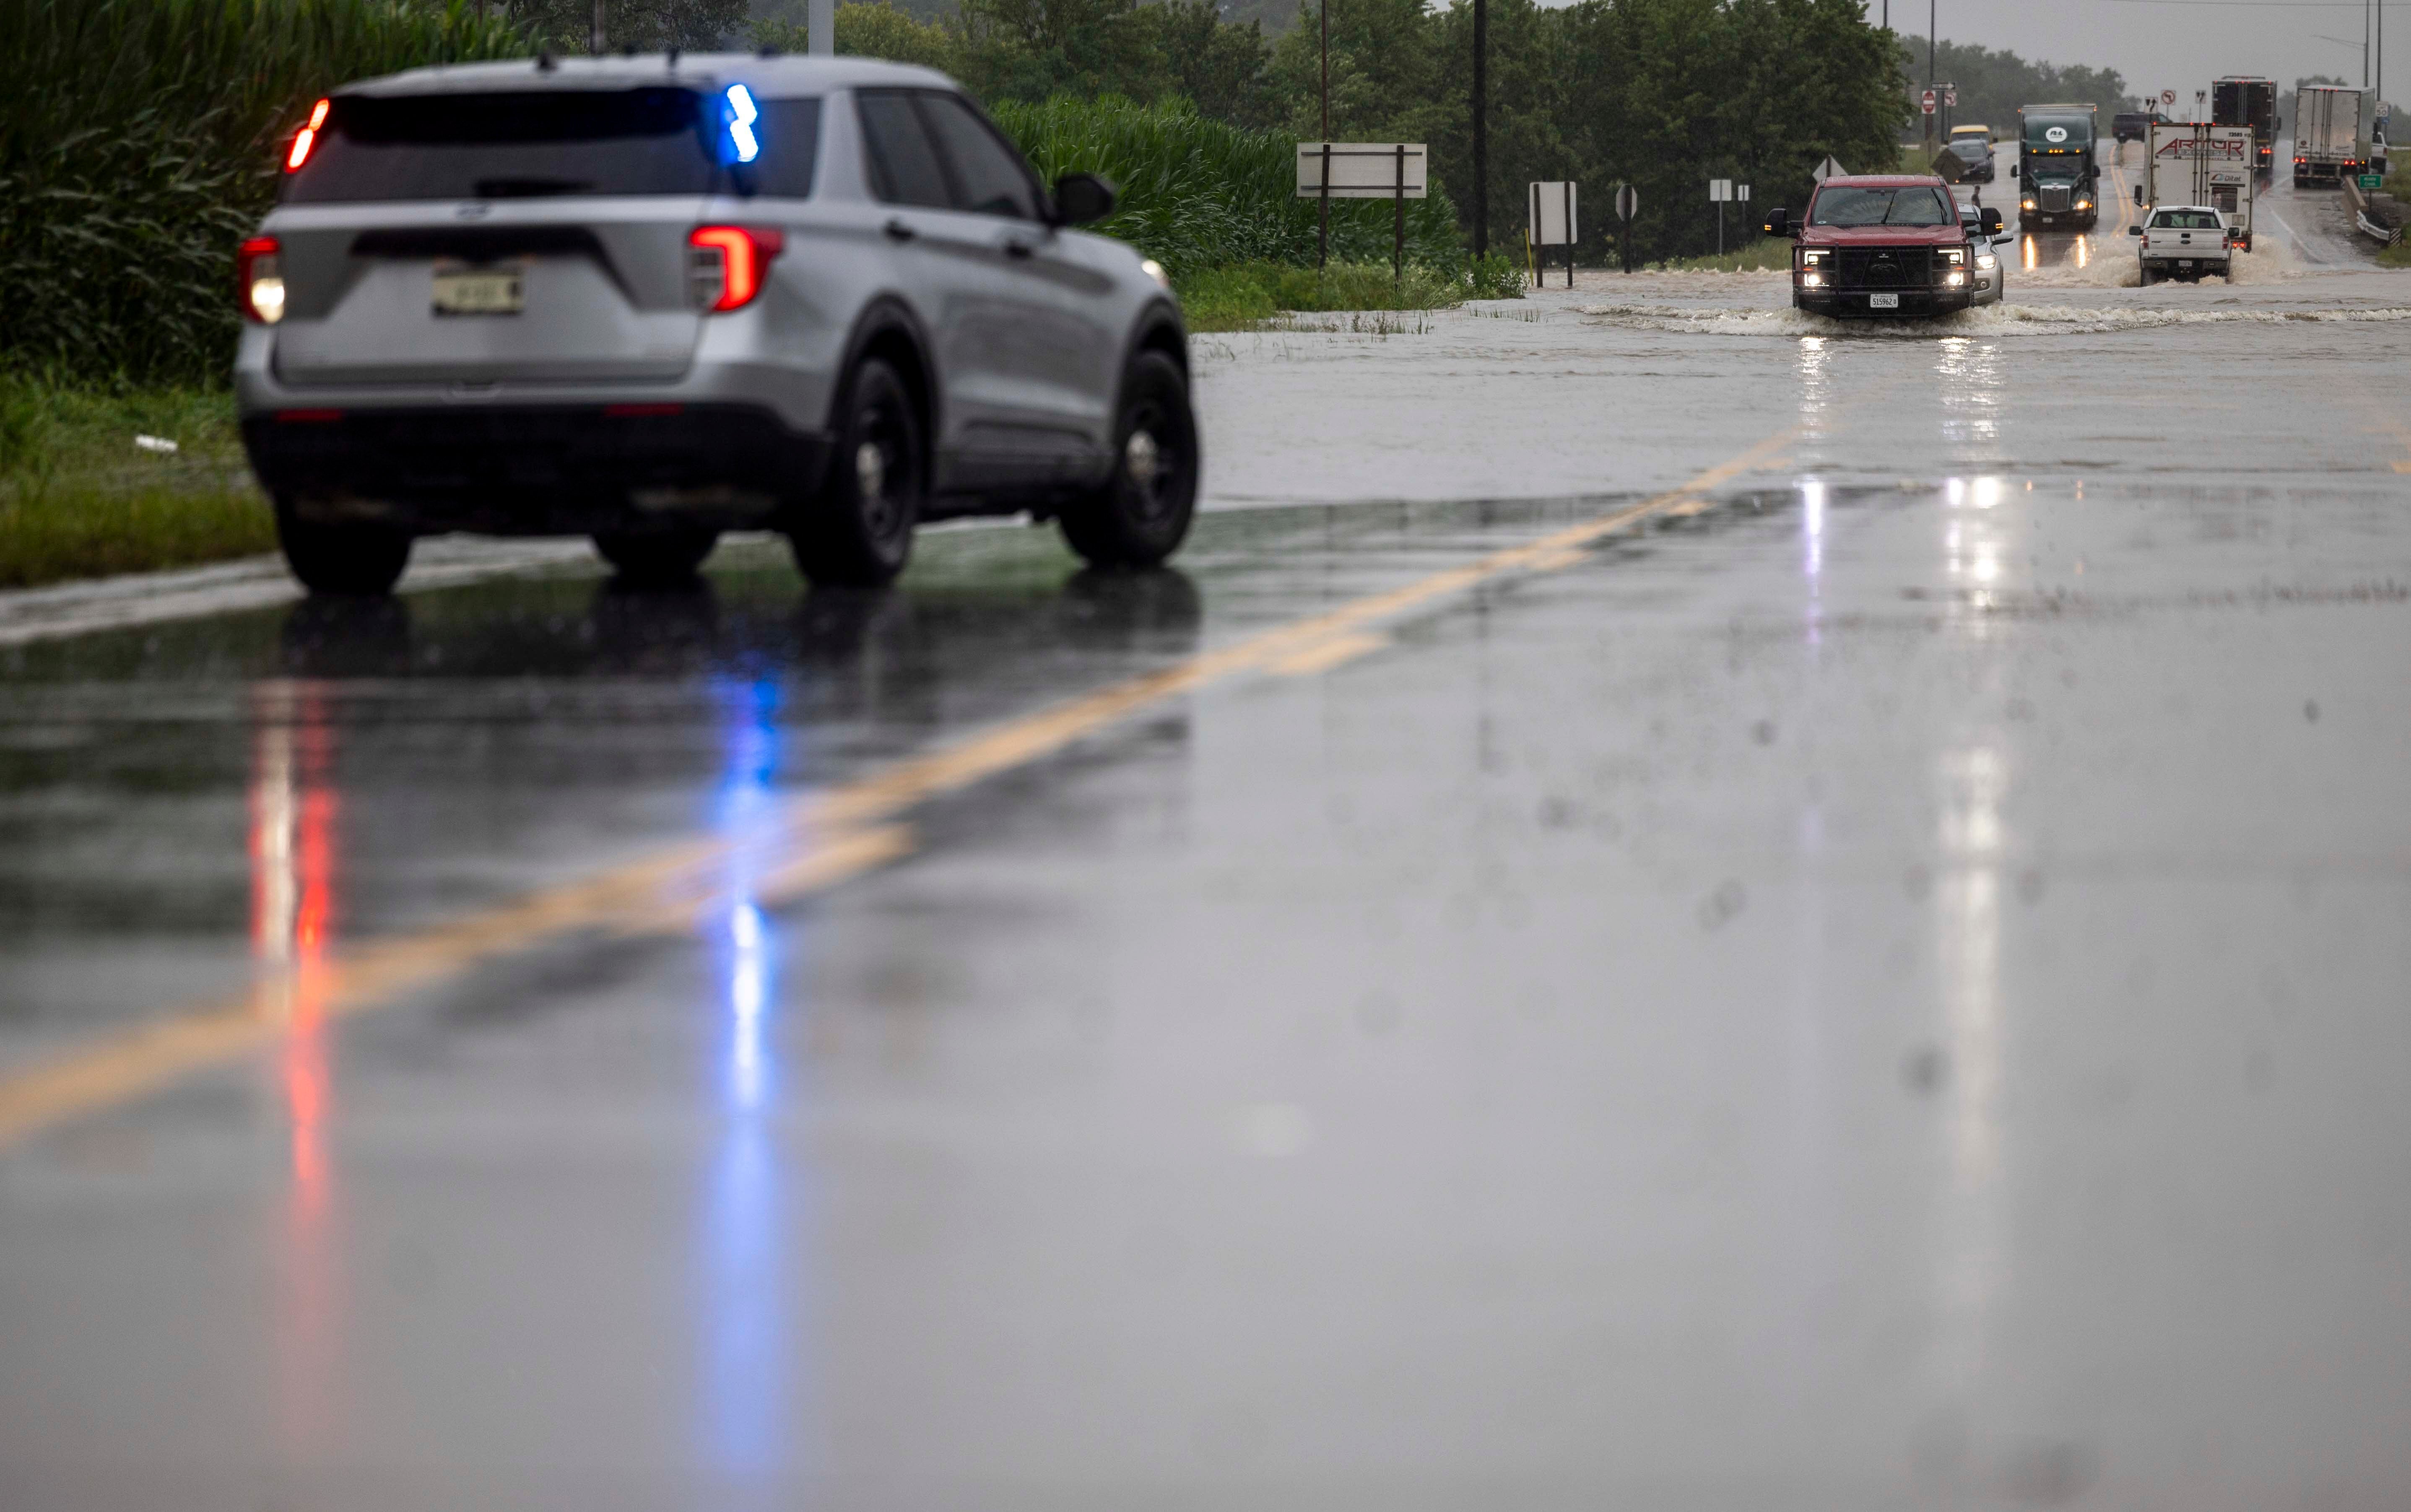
(346, 559)
(1140, 513)
(857, 531)
(656, 558)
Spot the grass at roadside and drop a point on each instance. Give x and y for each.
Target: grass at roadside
(79, 499)
(2398, 183)
(1239, 296)
(1766, 253)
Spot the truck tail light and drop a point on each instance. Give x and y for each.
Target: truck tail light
(260, 280)
(726, 264)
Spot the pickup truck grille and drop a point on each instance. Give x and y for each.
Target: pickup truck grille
(2052, 199)
(1887, 268)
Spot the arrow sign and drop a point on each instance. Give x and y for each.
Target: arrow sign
(1628, 203)
(1951, 97)
(1829, 168)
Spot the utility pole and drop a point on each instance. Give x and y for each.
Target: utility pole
(1481, 128)
(1322, 235)
(595, 40)
(1930, 6)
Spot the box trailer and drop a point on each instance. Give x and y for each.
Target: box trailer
(2248, 100)
(2198, 163)
(2333, 126)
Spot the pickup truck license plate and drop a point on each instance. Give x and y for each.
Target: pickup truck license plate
(1883, 301)
(479, 290)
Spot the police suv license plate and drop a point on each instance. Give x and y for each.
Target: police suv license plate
(1883, 301)
(488, 288)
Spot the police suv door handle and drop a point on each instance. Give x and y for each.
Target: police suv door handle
(898, 231)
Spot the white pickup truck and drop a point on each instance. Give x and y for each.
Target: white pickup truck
(2184, 242)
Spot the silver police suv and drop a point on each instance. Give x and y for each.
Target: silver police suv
(655, 298)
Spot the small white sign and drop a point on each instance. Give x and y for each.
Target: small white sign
(2168, 97)
(1829, 169)
(1364, 169)
(1740, 192)
(1555, 215)
(1719, 190)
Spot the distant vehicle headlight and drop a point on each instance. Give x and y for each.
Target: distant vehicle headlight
(1155, 270)
(2028, 203)
(2084, 204)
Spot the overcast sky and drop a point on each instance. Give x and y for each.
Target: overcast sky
(2175, 44)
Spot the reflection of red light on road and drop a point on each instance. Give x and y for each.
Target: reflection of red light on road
(293, 812)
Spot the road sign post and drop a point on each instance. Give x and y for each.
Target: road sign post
(1720, 193)
(1396, 170)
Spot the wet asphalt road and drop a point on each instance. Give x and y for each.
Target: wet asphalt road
(1877, 983)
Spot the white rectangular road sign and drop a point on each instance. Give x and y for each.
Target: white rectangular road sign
(1557, 211)
(1719, 190)
(1363, 169)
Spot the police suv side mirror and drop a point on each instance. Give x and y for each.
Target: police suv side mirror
(1082, 198)
(1989, 221)
(1779, 222)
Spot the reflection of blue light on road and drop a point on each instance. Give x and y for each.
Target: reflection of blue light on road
(746, 1337)
(1812, 524)
(749, 971)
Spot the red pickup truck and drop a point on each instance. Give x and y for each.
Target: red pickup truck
(1883, 245)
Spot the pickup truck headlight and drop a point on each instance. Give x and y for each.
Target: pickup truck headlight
(1816, 263)
(1954, 256)
(1985, 259)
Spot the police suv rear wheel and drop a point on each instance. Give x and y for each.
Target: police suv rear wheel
(859, 532)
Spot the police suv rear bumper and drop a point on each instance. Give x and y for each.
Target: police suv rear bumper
(536, 470)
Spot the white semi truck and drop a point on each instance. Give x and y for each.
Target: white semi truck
(2195, 163)
(2332, 127)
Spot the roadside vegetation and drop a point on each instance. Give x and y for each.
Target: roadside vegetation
(1761, 254)
(80, 496)
(2398, 185)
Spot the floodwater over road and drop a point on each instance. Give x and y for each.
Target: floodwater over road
(1835, 944)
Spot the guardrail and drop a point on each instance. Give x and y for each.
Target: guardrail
(2361, 203)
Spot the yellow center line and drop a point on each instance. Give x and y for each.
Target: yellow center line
(811, 843)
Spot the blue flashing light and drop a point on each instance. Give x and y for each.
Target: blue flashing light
(742, 114)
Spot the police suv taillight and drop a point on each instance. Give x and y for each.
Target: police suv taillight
(726, 265)
(260, 280)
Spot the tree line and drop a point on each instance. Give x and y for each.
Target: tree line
(1665, 94)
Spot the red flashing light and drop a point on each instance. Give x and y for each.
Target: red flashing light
(745, 252)
(306, 139)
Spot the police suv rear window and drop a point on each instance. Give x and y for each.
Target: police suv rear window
(656, 141)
